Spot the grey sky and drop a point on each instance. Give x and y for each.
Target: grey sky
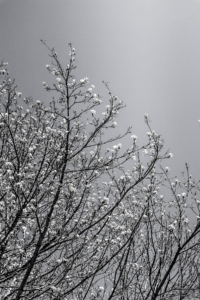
(148, 50)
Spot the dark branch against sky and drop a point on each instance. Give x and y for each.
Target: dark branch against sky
(148, 51)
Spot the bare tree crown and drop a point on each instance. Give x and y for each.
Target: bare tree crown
(81, 218)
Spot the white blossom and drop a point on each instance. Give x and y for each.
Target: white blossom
(145, 151)
(19, 94)
(134, 137)
(171, 226)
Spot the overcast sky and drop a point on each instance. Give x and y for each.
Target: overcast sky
(148, 51)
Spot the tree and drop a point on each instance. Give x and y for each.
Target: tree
(75, 222)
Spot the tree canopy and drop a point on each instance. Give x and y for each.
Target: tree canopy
(81, 218)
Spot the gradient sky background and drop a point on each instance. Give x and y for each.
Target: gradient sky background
(148, 51)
